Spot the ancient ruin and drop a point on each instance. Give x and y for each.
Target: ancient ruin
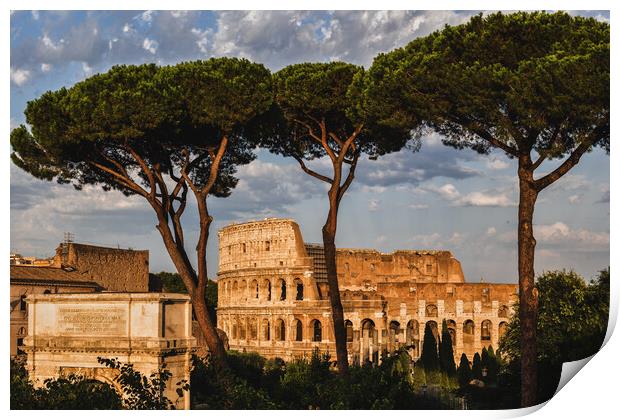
(74, 268)
(273, 297)
(67, 332)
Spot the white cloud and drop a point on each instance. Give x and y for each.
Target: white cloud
(381, 239)
(35, 14)
(147, 16)
(202, 40)
(150, 45)
(418, 206)
(448, 192)
(456, 238)
(571, 182)
(474, 199)
(45, 67)
(483, 199)
(88, 70)
(430, 241)
(491, 231)
(127, 28)
(574, 199)
(560, 233)
(373, 205)
(19, 76)
(496, 163)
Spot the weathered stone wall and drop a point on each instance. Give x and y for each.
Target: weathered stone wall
(387, 298)
(119, 270)
(68, 332)
(357, 268)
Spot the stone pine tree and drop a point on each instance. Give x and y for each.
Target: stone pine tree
(320, 113)
(429, 356)
(534, 86)
(157, 133)
(464, 371)
(446, 351)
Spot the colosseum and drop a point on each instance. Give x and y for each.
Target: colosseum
(273, 297)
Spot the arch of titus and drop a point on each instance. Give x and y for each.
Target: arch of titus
(273, 296)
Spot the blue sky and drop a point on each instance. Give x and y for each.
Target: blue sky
(438, 198)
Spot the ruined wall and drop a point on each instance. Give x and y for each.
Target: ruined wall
(118, 270)
(361, 268)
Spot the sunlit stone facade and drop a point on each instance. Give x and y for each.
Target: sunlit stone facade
(68, 332)
(273, 296)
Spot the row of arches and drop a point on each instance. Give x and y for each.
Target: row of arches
(264, 290)
(248, 328)
(431, 311)
(366, 337)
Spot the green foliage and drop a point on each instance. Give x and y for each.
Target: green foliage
(492, 363)
(140, 392)
(572, 318)
(476, 367)
(446, 351)
(429, 358)
(529, 81)
(309, 94)
(173, 283)
(66, 393)
(157, 113)
(308, 383)
(216, 389)
(22, 392)
(464, 371)
(75, 392)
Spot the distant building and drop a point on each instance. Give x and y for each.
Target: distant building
(273, 297)
(75, 268)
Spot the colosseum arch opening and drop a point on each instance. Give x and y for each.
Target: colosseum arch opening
(299, 289)
(316, 330)
(468, 336)
(348, 325)
(413, 338)
(299, 330)
(485, 332)
(282, 289)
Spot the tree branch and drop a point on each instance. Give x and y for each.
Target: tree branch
(121, 179)
(311, 172)
(350, 175)
(145, 169)
(215, 165)
(311, 132)
(571, 161)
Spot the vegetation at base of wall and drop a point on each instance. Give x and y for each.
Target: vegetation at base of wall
(173, 283)
(313, 383)
(76, 392)
(69, 393)
(572, 323)
(492, 381)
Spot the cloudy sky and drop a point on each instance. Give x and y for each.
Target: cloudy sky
(437, 198)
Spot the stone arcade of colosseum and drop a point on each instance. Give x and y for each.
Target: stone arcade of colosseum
(273, 296)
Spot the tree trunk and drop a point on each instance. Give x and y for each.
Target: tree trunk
(196, 293)
(329, 247)
(207, 327)
(528, 296)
